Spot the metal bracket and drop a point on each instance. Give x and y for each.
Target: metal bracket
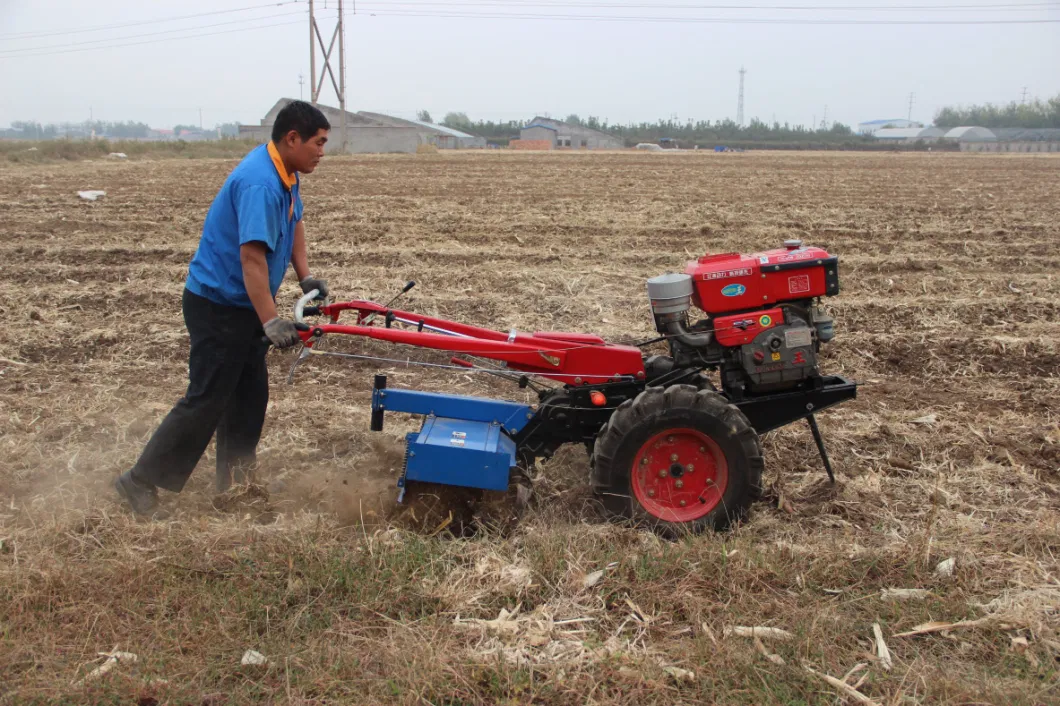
(820, 447)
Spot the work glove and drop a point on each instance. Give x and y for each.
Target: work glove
(282, 333)
(310, 283)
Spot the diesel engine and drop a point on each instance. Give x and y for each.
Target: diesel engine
(764, 322)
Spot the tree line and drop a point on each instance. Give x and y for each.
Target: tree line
(131, 129)
(704, 133)
(1031, 114)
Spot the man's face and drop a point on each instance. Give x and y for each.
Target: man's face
(305, 155)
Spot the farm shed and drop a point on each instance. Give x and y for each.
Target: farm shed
(440, 136)
(1018, 139)
(871, 127)
(909, 135)
(363, 134)
(969, 134)
(563, 135)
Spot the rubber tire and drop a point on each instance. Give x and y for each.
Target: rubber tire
(679, 406)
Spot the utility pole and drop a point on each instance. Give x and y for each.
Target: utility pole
(1023, 101)
(739, 101)
(301, 82)
(316, 38)
(824, 118)
(200, 119)
(909, 116)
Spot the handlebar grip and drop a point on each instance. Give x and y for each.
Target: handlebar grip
(301, 303)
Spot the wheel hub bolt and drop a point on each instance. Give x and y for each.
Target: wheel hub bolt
(651, 493)
(669, 440)
(690, 468)
(682, 503)
(662, 473)
(644, 461)
(673, 457)
(702, 450)
(679, 483)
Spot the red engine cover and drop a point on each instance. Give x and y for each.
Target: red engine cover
(742, 328)
(734, 282)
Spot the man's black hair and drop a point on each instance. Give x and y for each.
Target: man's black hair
(305, 118)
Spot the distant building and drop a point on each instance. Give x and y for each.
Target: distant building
(1007, 139)
(363, 134)
(909, 135)
(564, 135)
(440, 136)
(870, 127)
(968, 134)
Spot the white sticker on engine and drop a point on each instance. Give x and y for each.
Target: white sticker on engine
(456, 442)
(799, 284)
(797, 337)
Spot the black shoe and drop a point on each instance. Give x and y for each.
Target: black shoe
(142, 497)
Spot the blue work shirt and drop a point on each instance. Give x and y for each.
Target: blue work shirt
(259, 202)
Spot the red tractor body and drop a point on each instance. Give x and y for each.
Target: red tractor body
(735, 282)
(671, 424)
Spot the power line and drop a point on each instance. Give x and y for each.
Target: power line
(385, 11)
(993, 7)
(100, 28)
(692, 20)
(153, 41)
(21, 50)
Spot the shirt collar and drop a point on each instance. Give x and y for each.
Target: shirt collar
(288, 179)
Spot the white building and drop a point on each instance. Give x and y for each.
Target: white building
(364, 135)
(909, 135)
(563, 135)
(870, 127)
(442, 137)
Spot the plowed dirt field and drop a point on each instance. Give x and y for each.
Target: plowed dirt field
(949, 316)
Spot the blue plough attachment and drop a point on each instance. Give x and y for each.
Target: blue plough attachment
(464, 441)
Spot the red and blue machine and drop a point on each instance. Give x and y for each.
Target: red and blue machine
(674, 436)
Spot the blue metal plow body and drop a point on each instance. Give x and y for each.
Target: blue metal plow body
(464, 441)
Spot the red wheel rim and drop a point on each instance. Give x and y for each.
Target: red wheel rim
(679, 475)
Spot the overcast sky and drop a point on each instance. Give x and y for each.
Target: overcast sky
(629, 70)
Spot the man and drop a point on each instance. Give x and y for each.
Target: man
(252, 232)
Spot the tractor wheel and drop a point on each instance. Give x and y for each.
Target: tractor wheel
(679, 460)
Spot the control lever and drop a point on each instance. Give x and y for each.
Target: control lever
(404, 290)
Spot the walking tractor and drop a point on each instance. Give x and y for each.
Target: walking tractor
(669, 447)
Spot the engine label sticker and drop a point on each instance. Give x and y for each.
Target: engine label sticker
(733, 290)
(775, 356)
(728, 274)
(766, 321)
(799, 284)
(796, 256)
(797, 338)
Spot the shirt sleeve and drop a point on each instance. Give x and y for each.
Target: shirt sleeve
(257, 212)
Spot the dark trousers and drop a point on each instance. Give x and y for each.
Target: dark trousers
(228, 391)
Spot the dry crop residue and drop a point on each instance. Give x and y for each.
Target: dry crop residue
(948, 316)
